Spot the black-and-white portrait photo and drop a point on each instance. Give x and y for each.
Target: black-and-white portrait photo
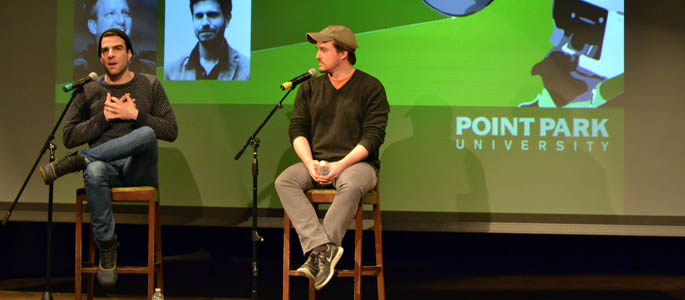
(207, 40)
(137, 18)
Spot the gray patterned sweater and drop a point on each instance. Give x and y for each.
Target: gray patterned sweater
(85, 119)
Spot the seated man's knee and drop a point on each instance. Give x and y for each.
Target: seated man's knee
(95, 171)
(148, 133)
(355, 182)
(281, 182)
(291, 177)
(352, 187)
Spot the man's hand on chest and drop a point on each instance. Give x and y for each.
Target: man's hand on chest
(122, 108)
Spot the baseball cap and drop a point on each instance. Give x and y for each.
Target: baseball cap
(338, 33)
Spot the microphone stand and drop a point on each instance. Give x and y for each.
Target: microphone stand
(48, 145)
(254, 142)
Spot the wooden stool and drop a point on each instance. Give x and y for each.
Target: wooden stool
(144, 194)
(326, 196)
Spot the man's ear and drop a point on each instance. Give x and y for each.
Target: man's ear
(345, 53)
(93, 27)
(130, 54)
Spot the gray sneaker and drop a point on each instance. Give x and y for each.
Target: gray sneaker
(327, 261)
(107, 268)
(310, 267)
(71, 163)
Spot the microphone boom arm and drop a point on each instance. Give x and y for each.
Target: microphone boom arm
(251, 139)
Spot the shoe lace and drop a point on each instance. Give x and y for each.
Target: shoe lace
(321, 261)
(68, 163)
(321, 258)
(312, 260)
(313, 263)
(66, 157)
(109, 257)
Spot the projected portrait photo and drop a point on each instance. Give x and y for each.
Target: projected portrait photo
(207, 40)
(584, 69)
(138, 18)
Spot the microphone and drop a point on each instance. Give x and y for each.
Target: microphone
(299, 79)
(78, 83)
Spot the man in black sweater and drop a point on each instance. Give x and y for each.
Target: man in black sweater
(120, 116)
(339, 118)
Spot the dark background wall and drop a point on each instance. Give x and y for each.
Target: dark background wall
(27, 82)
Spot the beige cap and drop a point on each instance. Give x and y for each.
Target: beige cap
(339, 33)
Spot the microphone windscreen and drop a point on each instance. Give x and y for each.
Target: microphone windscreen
(93, 75)
(313, 72)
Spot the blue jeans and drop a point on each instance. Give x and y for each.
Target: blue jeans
(129, 160)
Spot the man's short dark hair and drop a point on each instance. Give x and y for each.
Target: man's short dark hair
(225, 5)
(115, 32)
(351, 57)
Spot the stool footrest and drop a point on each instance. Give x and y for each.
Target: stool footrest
(87, 264)
(366, 271)
(120, 270)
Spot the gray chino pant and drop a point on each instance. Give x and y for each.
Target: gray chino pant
(351, 185)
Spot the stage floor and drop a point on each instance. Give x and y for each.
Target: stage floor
(13, 295)
(477, 287)
(215, 263)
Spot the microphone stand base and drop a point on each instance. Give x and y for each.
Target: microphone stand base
(47, 296)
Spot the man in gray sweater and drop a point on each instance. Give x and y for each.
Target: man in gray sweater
(120, 116)
(340, 118)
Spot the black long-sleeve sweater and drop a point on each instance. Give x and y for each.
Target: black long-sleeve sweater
(85, 119)
(335, 121)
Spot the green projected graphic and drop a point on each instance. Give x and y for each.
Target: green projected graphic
(467, 129)
(472, 61)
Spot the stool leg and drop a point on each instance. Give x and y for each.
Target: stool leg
(312, 290)
(158, 248)
(78, 250)
(377, 229)
(91, 260)
(358, 253)
(286, 256)
(151, 226)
